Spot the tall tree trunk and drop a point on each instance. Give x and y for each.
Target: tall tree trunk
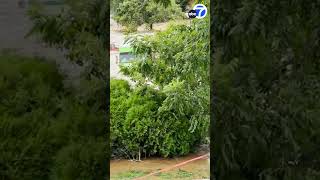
(139, 158)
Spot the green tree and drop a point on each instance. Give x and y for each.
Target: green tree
(265, 78)
(119, 94)
(132, 14)
(176, 62)
(129, 14)
(46, 132)
(139, 128)
(80, 29)
(155, 13)
(114, 5)
(133, 118)
(183, 4)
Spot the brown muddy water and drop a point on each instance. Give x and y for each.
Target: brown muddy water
(126, 169)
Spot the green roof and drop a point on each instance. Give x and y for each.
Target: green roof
(125, 49)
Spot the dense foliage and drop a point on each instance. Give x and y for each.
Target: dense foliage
(80, 30)
(177, 62)
(114, 5)
(161, 118)
(133, 13)
(47, 131)
(138, 126)
(265, 96)
(183, 4)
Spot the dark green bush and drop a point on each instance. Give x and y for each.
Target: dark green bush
(138, 124)
(41, 123)
(120, 91)
(265, 90)
(26, 85)
(183, 4)
(175, 118)
(132, 117)
(85, 160)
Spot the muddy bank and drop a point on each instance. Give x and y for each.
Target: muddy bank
(126, 169)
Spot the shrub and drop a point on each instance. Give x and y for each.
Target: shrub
(133, 13)
(265, 95)
(176, 115)
(85, 160)
(140, 127)
(40, 121)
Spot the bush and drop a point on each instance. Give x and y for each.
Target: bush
(265, 95)
(40, 120)
(89, 158)
(118, 96)
(139, 126)
(176, 116)
(183, 4)
(133, 13)
(26, 84)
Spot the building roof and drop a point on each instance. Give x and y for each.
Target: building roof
(125, 49)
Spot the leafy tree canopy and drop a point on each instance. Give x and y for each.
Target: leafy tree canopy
(176, 62)
(80, 29)
(46, 131)
(265, 95)
(133, 13)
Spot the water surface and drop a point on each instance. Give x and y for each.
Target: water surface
(126, 169)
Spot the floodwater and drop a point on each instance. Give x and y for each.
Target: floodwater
(126, 169)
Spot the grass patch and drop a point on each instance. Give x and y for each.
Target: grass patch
(129, 175)
(180, 174)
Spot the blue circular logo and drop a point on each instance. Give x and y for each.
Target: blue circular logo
(201, 11)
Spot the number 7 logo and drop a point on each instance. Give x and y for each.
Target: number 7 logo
(201, 11)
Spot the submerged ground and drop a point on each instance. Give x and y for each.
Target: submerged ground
(125, 169)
